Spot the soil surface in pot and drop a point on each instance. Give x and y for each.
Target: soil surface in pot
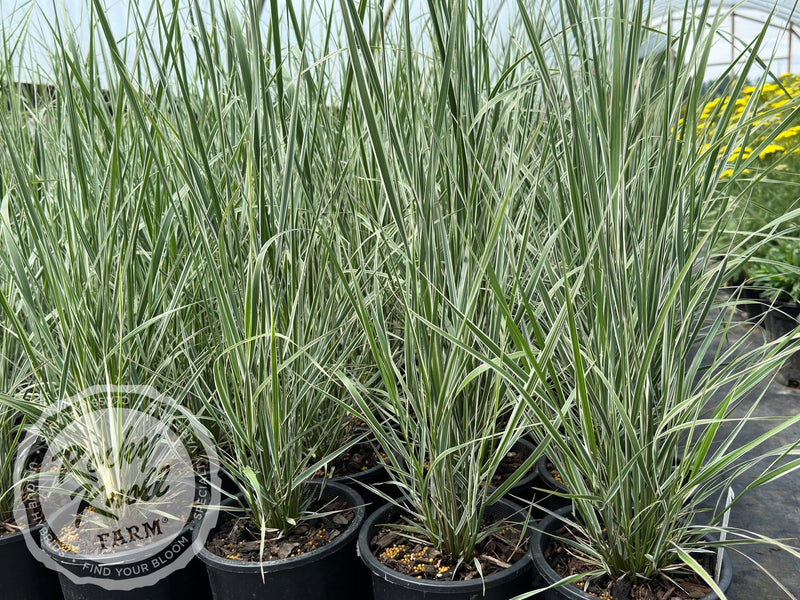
(237, 538)
(423, 561)
(679, 586)
(357, 459)
(554, 472)
(508, 466)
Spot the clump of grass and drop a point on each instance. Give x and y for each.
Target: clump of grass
(658, 391)
(449, 135)
(95, 243)
(99, 281)
(262, 159)
(453, 245)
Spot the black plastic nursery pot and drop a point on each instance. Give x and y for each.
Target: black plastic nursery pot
(24, 577)
(327, 573)
(526, 487)
(546, 576)
(187, 582)
(228, 486)
(750, 301)
(551, 501)
(389, 584)
(783, 318)
(365, 483)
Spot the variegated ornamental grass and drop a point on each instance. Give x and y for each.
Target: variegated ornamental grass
(14, 377)
(451, 237)
(161, 227)
(450, 136)
(645, 426)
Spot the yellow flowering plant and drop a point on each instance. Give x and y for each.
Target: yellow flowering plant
(762, 169)
(760, 108)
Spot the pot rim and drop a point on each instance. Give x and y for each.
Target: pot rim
(527, 480)
(541, 467)
(14, 537)
(238, 566)
(71, 565)
(780, 305)
(362, 477)
(379, 569)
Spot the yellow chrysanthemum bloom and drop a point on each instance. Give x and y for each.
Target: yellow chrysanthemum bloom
(770, 150)
(789, 79)
(726, 173)
(710, 106)
(738, 151)
(788, 134)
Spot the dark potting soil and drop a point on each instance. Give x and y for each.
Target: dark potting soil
(679, 585)
(357, 459)
(554, 472)
(238, 538)
(508, 466)
(423, 561)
